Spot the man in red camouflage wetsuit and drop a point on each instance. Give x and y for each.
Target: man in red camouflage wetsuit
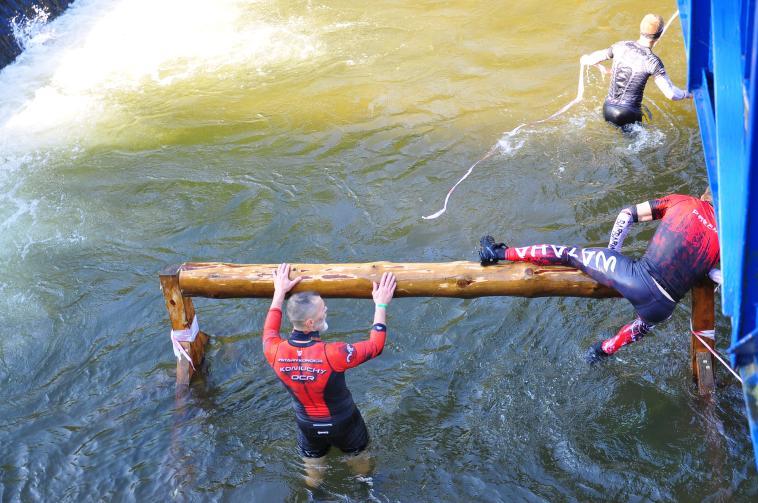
(313, 371)
(684, 249)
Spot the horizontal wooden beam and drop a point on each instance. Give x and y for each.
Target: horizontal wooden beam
(444, 279)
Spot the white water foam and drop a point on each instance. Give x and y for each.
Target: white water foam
(75, 68)
(34, 30)
(644, 137)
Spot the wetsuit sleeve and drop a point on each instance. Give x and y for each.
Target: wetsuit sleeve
(669, 89)
(271, 337)
(596, 57)
(343, 356)
(624, 222)
(656, 208)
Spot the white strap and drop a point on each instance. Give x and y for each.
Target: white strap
(185, 335)
(711, 334)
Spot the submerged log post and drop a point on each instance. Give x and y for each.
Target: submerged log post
(181, 312)
(703, 322)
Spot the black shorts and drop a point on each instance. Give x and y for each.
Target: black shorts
(621, 116)
(315, 438)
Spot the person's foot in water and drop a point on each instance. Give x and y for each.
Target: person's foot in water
(595, 353)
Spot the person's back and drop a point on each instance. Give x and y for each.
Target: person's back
(313, 371)
(685, 247)
(633, 65)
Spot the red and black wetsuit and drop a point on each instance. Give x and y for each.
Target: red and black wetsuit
(683, 250)
(314, 373)
(685, 246)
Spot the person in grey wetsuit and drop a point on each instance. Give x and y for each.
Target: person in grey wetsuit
(633, 63)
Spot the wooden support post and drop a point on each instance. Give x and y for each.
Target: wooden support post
(181, 312)
(703, 323)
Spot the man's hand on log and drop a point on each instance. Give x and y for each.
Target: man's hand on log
(283, 284)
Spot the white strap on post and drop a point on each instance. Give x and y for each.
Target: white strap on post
(711, 334)
(184, 335)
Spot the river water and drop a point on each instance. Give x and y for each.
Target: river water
(136, 134)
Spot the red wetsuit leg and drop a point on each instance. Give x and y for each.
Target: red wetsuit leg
(631, 332)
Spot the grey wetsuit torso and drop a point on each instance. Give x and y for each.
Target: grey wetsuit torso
(633, 64)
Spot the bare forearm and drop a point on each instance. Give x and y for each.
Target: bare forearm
(277, 301)
(380, 315)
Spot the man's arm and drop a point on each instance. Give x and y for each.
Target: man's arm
(642, 212)
(343, 356)
(282, 285)
(620, 229)
(669, 89)
(271, 337)
(596, 57)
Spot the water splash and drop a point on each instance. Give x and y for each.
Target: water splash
(644, 137)
(109, 52)
(33, 30)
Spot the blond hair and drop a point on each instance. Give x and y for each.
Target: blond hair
(651, 26)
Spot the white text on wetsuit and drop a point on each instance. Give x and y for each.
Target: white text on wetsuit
(601, 261)
(703, 221)
(301, 368)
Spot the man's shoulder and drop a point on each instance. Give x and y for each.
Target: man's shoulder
(681, 202)
(680, 198)
(654, 61)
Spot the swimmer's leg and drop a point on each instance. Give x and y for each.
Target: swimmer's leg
(315, 471)
(360, 464)
(631, 332)
(607, 267)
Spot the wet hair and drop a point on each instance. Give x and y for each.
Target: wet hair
(302, 306)
(652, 26)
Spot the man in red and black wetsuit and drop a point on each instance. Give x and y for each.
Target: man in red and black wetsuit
(684, 249)
(313, 371)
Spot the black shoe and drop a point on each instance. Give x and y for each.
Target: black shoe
(489, 252)
(595, 353)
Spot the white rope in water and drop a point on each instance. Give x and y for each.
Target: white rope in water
(511, 133)
(718, 357)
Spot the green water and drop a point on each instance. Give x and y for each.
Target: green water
(146, 134)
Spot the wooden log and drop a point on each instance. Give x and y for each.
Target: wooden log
(448, 279)
(181, 312)
(703, 321)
